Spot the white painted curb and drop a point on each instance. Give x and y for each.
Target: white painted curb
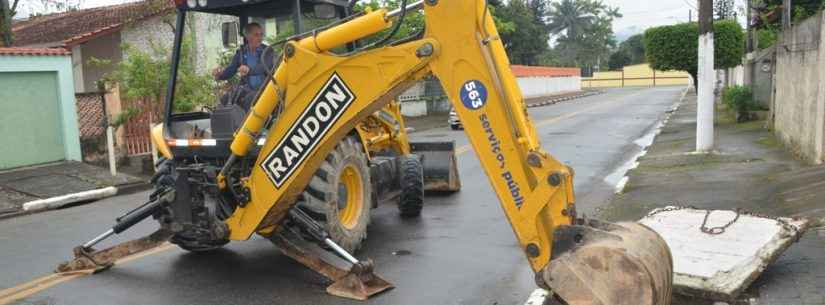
(59, 201)
(537, 297)
(634, 162)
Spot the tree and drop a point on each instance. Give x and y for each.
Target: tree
(529, 39)
(572, 16)
(635, 48)
(413, 20)
(143, 73)
(674, 47)
(7, 12)
(583, 29)
(618, 60)
(10, 8)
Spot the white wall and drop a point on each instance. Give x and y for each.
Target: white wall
(77, 68)
(736, 76)
(105, 47)
(414, 108)
(544, 86)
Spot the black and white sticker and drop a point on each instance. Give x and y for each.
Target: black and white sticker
(325, 109)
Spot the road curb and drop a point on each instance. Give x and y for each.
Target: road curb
(52, 203)
(64, 200)
(619, 187)
(562, 99)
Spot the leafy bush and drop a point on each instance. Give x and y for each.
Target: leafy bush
(740, 99)
(766, 37)
(143, 74)
(675, 47)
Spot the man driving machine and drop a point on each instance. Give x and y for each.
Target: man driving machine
(247, 62)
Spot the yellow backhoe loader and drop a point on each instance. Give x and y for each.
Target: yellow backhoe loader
(307, 119)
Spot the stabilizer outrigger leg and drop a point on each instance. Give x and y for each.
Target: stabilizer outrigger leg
(87, 259)
(359, 282)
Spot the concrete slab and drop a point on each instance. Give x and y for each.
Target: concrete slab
(721, 266)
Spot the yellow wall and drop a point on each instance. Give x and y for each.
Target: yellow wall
(635, 75)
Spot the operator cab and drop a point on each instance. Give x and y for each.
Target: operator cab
(203, 125)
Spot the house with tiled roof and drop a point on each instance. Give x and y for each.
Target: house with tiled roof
(101, 33)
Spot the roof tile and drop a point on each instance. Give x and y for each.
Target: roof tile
(35, 51)
(81, 25)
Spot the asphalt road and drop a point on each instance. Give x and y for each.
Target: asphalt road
(461, 251)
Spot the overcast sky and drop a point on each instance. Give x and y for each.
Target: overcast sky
(638, 15)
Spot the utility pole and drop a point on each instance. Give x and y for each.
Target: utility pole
(5, 23)
(706, 76)
(749, 44)
(749, 38)
(690, 15)
(786, 14)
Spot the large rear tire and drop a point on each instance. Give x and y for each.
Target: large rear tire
(412, 186)
(339, 195)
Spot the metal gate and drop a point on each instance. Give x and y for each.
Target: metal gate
(137, 128)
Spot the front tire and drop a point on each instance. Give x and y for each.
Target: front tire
(412, 186)
(339, 195)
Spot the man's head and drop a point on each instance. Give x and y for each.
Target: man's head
(254, 33)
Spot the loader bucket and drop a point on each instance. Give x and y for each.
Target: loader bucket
(598, 263)
(440, 167)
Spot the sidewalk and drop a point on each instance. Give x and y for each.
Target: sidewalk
(749, 170)
(40, 182)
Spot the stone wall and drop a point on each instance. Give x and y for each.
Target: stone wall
(761, 68)
(148, 33)
(800, 89)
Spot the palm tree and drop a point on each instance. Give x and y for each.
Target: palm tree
(578, 16)
(573, 16)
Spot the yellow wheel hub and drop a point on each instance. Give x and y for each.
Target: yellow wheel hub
(350, 197)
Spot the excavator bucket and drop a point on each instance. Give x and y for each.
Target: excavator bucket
(598, 263)
(440, 167)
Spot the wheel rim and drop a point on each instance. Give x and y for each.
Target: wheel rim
(350, 197)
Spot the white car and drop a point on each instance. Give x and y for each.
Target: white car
(455, 123)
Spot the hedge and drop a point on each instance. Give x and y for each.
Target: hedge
(675, 47)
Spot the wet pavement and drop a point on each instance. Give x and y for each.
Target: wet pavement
(461, 251)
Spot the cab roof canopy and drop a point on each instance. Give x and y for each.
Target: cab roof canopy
(253, 8)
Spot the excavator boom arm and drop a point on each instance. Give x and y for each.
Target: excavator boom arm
(320, 96)
(468, 58)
